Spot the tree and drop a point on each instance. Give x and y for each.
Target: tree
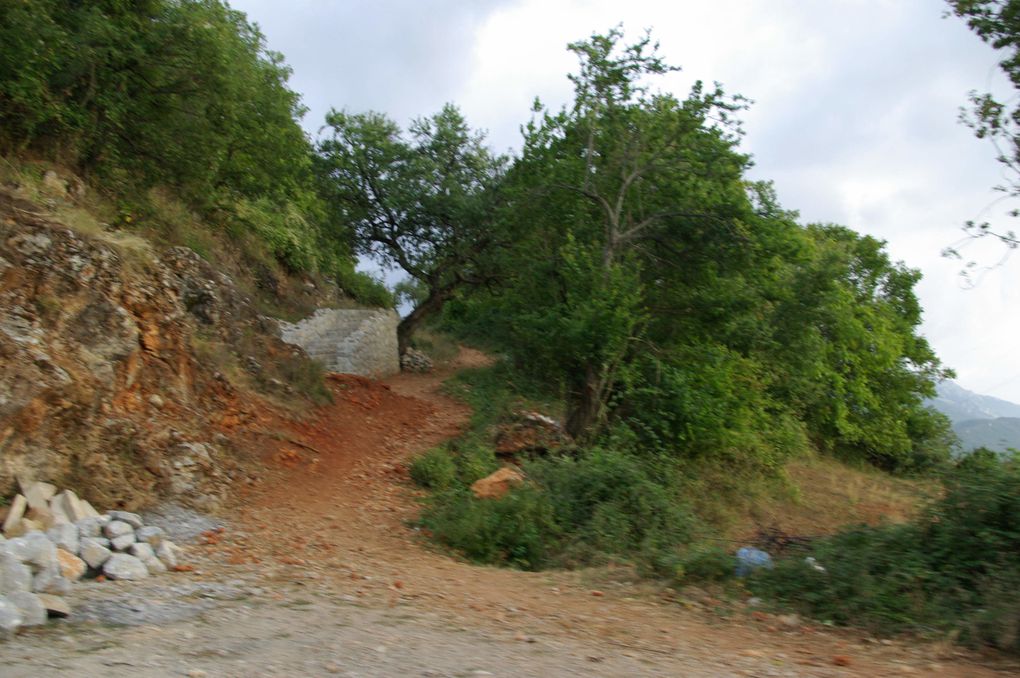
(425, 204)
(997, 22)
(612, 188)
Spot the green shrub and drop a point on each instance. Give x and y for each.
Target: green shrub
(474, 461)
(518, 530)
(703, 563)
(954, 569)
(435, 469)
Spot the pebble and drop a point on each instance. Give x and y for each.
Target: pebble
(123, 566)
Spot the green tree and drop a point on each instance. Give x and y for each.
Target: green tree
(425, 204)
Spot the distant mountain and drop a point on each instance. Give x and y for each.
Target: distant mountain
(961, 405)
(995, 434)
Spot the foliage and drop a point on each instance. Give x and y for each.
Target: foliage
(662, 293)
(434, 470)
(180, 95)
(422, 204)
(952, 570)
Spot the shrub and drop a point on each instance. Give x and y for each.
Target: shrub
(954, 569)
(435, 469)
(519, 529)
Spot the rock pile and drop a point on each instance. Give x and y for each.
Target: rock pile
(415, 361)
(51, 540)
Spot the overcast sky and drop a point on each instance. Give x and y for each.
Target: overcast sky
(855, 113)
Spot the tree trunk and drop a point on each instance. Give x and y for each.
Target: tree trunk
(585, 406)
(405, 330)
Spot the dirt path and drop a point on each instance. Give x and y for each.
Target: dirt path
(319, 573)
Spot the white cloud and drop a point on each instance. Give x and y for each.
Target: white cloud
(855, 113)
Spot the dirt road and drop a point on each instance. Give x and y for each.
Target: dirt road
(318, 572)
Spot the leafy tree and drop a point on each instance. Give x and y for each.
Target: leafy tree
(425, 204)
(181, 94)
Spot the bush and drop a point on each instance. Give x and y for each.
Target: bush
(703, 563)
(518, 529)
(434, 470)
(954, 569)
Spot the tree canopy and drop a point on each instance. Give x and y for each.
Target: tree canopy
(424, 204)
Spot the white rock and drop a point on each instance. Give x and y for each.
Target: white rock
(15, 512)
(65, 537)
(155, 566)
(14, 575)
(90, 527)
(10, 617)
(123, 542)
(39, 551)
(69, 503)
(52, 581)
(117, 528)
(94, 552)
(123, 566)
(168, 552)
(142, 551)
(151, 535)
(132, 519)
(33, 613)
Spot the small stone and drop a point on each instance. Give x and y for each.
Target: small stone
(132, 519)
(55, 605)
(15, 512)
(52, 581)
(196, 673)
(118, 528)
(123, 566)
(70, 504)
(33, 613)
(14, 575)
(168, 552)
(141, 551)
(37, 494)
(94, 552)
(89, 527)
(841, 660)
(151, 535)
(64, 536)
(72, 567)
(41, 516)
(155, 566)
(123, 542)
(11, 618)
(156, 401)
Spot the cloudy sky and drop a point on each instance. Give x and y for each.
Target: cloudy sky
(855, 113)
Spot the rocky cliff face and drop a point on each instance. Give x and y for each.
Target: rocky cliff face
(101, 386)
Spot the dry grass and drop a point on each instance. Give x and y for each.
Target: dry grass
(821, 495)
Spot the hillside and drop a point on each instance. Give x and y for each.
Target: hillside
(959, 404)
(979, 420)
(999, 434)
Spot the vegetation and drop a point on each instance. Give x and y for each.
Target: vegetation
(689, 329)
(176, 95)
(952, 570)
(425, 205)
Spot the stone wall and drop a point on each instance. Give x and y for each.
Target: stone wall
(351, 341)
